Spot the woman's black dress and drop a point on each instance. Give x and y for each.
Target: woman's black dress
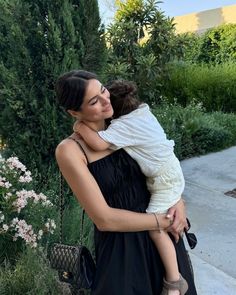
(128, 262)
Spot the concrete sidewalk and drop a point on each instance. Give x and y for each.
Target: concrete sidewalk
(213, 219)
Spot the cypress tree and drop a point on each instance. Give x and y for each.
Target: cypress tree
(92, 33)
(39, 40)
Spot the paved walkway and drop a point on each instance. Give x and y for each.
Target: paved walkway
(213, 218)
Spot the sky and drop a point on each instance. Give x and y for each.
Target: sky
(170, 7)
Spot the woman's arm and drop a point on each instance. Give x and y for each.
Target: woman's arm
(73, 166)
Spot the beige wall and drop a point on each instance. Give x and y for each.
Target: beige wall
(201, 21)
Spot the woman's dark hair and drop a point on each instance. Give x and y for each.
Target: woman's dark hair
(124, 97)
(70, 88)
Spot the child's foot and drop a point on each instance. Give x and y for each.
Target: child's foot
(179, 287)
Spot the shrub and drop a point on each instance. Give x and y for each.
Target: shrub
(194, 131)
(23, 213)
(141, 45)
(216, 45)
(213, 86)
(30, 276)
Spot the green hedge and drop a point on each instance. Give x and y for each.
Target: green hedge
(194, 131)
(213, 86)
(215, 46)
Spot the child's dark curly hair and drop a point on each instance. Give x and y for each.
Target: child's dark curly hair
(124, 97)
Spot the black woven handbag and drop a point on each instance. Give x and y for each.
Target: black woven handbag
(75, 264)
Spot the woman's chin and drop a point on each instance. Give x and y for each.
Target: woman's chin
(109, 114)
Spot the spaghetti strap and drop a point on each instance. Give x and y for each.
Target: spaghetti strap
(80, 146)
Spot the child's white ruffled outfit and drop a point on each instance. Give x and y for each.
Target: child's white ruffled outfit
(143, 138)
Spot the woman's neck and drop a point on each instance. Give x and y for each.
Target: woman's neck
(96, 126)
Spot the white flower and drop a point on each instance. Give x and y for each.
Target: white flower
(2, 217)
(8, 184)
(14, 238)
(40, 234)
(5, 227)
(7, 196)
(53, 224)
(25, 179)
(14, 221)
(50, 225)
(47, 203)
(42, 197)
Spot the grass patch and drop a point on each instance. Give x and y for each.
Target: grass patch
(30, 276)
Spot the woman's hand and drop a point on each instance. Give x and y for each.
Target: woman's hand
(177, 215)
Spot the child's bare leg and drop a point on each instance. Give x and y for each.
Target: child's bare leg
(167, 253)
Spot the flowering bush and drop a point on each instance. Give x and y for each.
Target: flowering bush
(22, 212)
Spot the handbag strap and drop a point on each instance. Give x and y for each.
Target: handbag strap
(62, 206)
(62, 201)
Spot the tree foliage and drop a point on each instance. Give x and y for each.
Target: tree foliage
(141, 44)
(206, 72)
(217, 45)
(92, 33)
(214, 86)
(39, 40)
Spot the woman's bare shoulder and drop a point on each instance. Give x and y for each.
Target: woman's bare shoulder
(65, 145)
(68, 148)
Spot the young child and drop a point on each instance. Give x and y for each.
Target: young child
(136, 129)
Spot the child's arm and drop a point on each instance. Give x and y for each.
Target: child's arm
(91, 137)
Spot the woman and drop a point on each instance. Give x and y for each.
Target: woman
(112, 189)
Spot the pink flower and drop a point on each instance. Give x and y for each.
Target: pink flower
(16, 199)
(4, 182)
(13, 162)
